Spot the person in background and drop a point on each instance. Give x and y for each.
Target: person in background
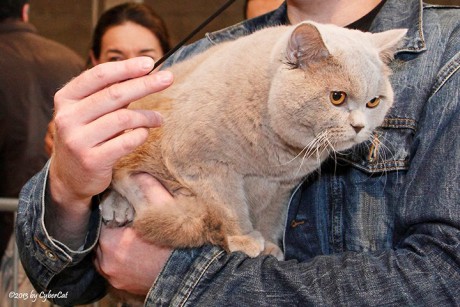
(254, 8)
(122, 32)
(129, 30)
(367, 230)
(32, 69)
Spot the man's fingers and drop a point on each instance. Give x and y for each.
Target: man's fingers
(113, 124)
(121, 94)
(101, 143)
(104, 75)
(115, 148)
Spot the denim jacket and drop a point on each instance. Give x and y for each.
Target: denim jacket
(376, 226)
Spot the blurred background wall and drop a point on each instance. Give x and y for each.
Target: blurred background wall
(71, 21)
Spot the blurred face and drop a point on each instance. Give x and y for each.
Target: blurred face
(127, 41)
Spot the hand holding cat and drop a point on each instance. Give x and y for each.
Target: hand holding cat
(94, 128)
(127, 261)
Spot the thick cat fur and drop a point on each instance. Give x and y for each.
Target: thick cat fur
(245, 121)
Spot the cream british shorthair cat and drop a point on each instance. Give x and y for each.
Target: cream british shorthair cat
(245, 121)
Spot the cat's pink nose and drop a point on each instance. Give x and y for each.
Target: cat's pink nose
(357, 127)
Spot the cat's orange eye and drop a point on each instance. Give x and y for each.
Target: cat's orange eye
(337, 97)
(373, 102)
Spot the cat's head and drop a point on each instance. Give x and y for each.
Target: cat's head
(331, 83)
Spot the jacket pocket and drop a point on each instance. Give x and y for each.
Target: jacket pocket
(389, 149)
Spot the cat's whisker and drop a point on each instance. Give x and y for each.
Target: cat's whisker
(315, 147)
(307, 152)
(376, 153)
(331, 151)
(298, 155)
(383, 151)
(379, 152)
(324, 145)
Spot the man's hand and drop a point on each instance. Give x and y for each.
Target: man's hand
(128, 262)
(93, 128)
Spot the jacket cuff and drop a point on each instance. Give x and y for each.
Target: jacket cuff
(51, 252)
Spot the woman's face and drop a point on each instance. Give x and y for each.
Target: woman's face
(126, 41)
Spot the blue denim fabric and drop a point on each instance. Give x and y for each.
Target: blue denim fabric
(49, 264)
(376, 227)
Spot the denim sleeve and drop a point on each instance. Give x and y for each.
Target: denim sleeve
(421, 269)
(51, 266)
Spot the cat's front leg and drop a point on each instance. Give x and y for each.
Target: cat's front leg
(251, 244)
(125, 199)
(274, 250)
(116, 211)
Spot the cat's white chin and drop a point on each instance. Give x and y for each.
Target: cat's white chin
(352, 142)
(360, 138)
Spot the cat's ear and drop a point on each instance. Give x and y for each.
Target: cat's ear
(388, 42)
(306, 46)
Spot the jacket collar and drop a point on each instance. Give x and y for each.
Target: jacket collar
(394, 14)
(277, 17)
(407, 14)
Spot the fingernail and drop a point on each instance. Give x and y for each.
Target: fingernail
(157, 117)
(147, 63)
(164, 76)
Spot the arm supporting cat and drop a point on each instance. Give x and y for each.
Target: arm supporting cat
(121, 131)
(104, 90)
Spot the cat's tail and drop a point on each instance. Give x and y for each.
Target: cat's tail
(184, 223)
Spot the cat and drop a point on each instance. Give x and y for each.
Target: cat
(245, 121)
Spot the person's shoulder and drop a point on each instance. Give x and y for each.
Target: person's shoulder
(441, 32)
(442, 23)
(58, 52)
(60, 47)
(446, 16)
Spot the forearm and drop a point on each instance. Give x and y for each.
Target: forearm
(392, 277)
(49, 263)
(66, 218)
(64, 225)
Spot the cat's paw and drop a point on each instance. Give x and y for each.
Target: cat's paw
(274, 250)
(251, 244)
(116, 211)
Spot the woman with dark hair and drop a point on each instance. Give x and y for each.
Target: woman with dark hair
(129, 30)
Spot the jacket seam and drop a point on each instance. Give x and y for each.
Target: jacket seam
(192, 287)
(446, 72)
